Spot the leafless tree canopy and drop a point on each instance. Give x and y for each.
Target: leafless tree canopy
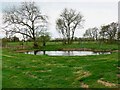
(109, 31)
(92, 33)
(67, 23)
(26, 20)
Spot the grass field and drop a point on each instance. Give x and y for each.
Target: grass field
(59, 45)
(34, 71)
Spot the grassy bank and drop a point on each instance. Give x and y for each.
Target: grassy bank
(34, 71)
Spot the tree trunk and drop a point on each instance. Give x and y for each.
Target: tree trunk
(72, 35)
(68, 40)
(44, 44)
(64, 41)
(35, 45)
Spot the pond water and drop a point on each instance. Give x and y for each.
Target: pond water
(66, 53)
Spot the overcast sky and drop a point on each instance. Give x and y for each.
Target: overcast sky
(95, 12)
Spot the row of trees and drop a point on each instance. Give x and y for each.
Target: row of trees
(106, 32)
(28, 21)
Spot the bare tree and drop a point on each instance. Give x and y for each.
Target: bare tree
(103, 34)
(109, 31)
(88, 34)
(68, 22)
(118, 35)
(95, 32)
(26, 20)
(92, 33)
(112, 32)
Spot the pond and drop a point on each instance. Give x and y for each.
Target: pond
(66, 53)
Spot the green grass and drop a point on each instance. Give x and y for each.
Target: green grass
(88, 45)
(35, 71)
(59, 45)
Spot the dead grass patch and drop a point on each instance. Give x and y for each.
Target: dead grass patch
(34, 66)
(56, 65)
(29, 74)
(77, 68)
(34, 60)
(83, 85)
(118, 75)
(118, 67)
(7, 55)
(13, 77)
(32, 76)
(21, 51)
(80, 74)
(106, 83)
(43, 71)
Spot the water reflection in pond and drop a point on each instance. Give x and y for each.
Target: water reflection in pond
(66, 53)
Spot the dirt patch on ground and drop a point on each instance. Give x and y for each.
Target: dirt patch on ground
(106, 83)
(80, 74)
(22, 51)
(115, 50)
